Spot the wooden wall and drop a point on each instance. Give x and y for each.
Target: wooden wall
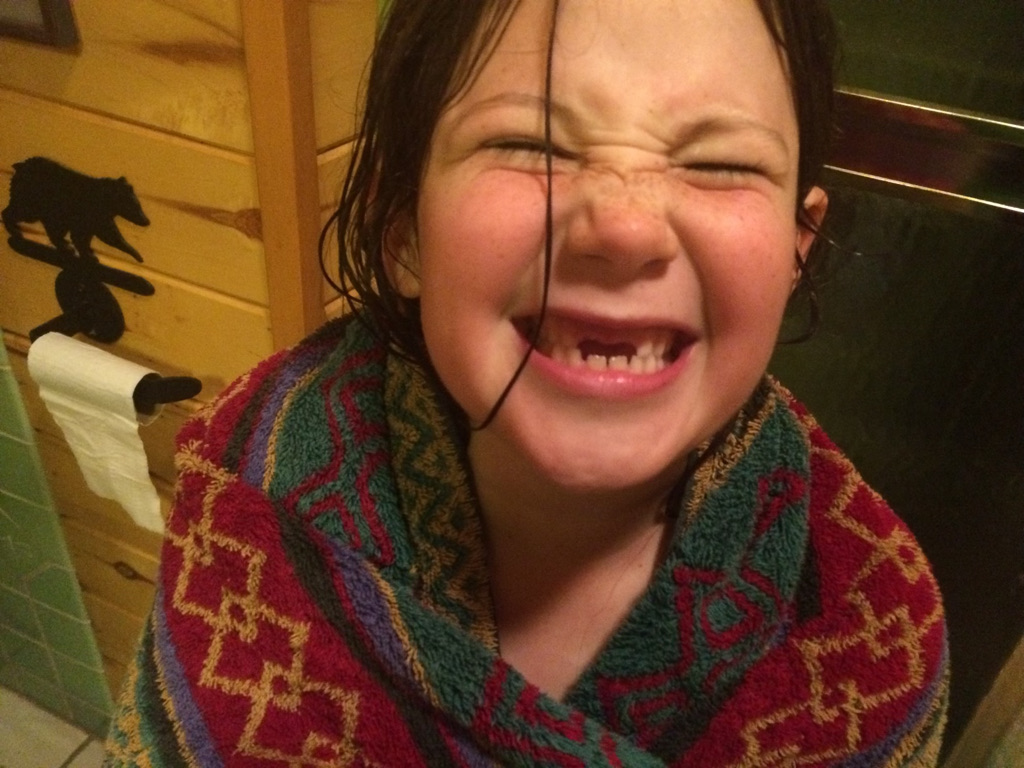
(231, 120)
(986, 741)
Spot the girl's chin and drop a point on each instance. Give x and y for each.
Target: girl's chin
(594, 462)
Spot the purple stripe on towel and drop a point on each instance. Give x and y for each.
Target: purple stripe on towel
(469, 751)
(187, 715)
(372, 612)
(259, 442)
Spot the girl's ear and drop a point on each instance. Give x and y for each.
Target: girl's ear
(401, 258)
(814, 207)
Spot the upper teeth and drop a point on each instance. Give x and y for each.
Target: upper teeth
(649, 355)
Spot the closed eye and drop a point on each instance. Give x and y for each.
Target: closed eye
(727, 169)
(526, 146)
(727, 175)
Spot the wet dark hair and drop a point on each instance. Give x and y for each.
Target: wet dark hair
(427, 53)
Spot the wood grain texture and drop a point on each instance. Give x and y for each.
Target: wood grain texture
(179, 66)
(74, 501)
(77, 504)
(993, 717)
(117, 631)
(342, 34)
(163, 331)
(202, 203)
(277, 45)
(114, 672)
(160, 93)
(115, 561)
(111, 569)
(174, 65)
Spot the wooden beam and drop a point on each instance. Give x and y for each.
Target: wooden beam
(993, 717)
(278, 63)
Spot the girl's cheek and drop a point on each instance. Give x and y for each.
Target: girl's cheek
(745, 265)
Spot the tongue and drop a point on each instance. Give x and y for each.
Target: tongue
(621, 349)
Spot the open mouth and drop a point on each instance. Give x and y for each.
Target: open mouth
(581, 345)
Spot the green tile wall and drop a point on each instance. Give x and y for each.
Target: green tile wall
(47, 649)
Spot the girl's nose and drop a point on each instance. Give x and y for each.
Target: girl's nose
(619, 224)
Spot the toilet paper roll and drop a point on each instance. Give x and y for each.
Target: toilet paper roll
(89, 393)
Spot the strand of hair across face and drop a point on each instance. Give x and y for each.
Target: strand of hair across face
(549, 219)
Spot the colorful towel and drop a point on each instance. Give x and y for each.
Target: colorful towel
(323, 600)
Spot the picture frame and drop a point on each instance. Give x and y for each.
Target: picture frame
(49, 22)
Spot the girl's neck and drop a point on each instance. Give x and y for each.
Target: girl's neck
(533, 516)
(565, 568)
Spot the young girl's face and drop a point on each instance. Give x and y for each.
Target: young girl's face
(674, 235)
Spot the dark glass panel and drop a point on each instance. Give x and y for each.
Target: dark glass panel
(961, 54)
(917, 371)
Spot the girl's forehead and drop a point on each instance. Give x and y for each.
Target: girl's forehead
(607, 54)
(672, 33)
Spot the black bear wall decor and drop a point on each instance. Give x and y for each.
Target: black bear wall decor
(69, 203)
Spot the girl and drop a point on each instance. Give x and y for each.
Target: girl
(536, 502)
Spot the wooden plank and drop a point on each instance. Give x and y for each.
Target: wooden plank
(336, 308)
(342, 33)
(277, 45)
(176, 66)
(163, 331)
(111, 570)
(117, 631)
(114, 672)
(993, 717)
(179, 66)
(201, 202)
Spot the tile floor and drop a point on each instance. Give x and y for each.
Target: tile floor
(33, 738)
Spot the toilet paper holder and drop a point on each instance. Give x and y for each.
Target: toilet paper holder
(87, 305)
(154, 389)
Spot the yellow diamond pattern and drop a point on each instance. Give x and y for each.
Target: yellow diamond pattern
(241, 617)
(842, 703)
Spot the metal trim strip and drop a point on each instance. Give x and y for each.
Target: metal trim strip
(956, 160)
